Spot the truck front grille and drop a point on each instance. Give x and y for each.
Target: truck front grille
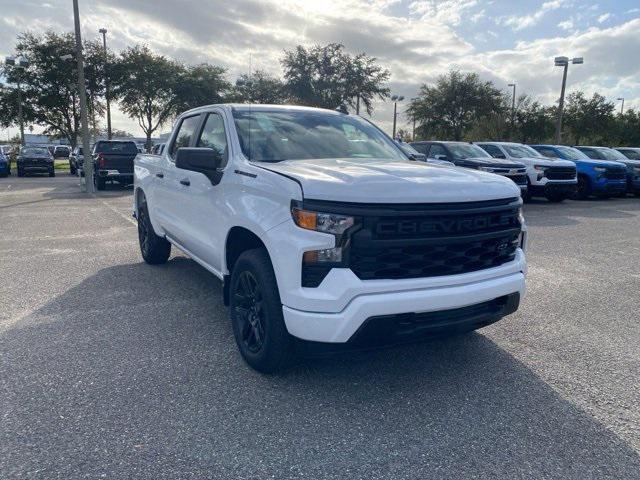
(615, 174)
(428, 240)
(561, 173)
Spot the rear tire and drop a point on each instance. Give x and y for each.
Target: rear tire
(20, 172)
(155, 249)
(100, 183)
(72, 169)
(256, 314)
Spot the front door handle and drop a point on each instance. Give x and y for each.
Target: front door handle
(160, 175)
(185, 182)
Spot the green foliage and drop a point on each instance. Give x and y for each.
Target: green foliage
(455, 104)
(588, 118)
(200, 85)
(533, 122)
(146, 86)
(49, 84)
(259, 87)
(327, 77)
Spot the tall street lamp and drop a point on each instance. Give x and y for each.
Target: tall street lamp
(563, 62)
(621, 106)
(103, 31)
(21, 63)
(82, 92)
(395, 99)
(513, 108)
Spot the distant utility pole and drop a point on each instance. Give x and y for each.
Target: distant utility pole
(513, 109)
(395, 99)
(88, 160)
(103, 31)
(621, 106)
(21, 64)
(563, 62)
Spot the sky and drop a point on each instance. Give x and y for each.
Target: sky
(416, 40)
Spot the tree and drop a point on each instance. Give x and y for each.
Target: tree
(49, 85)
(146, 86)
(200, 85)
(533, 122)
(259, 87)
(590, 119)
(327, 77)
(455, 103)
(626, 129)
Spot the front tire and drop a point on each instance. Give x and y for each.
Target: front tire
(256, 314)
(155, 249)
(584, 188)
(52, 173)
(556, 198)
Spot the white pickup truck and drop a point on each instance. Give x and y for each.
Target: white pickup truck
(323, 232)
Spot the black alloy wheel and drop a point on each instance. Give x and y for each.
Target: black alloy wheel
(249, 312)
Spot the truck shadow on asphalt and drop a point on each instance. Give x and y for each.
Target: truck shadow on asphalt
(136, 367)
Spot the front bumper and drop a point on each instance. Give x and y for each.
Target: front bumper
(342, 326)
(567, 188)
(36, 167)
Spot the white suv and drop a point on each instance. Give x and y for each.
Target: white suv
(323, 231)
(552, 178)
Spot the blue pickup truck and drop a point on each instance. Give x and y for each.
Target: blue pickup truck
(632, 165)
(602, 178)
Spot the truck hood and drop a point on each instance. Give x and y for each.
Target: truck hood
(548, 162)
(494, 162)
(391, 181)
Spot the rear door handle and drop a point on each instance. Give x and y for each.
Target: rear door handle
(185, 182)
(160, 175)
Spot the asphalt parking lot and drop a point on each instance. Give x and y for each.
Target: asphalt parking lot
(111, 368)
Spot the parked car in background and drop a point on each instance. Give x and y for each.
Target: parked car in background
(601, 178)
(5, 166)
(413, 154)
(554, 179)
(157, 149)
(632, 167)
(468, 155)
(75, 161)
(322, 231)
(632, 153)
(61, 151)
(35, 160)
(113, 161)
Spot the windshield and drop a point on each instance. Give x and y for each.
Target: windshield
(572, 153)
(460, 151)
(116, 147)
(274, 136)
(34, 151)
(610, 154)
(521, 151)
(631, 153)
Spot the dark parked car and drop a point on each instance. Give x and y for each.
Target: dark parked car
(463, 154)
(113, 160)
(61, 151)
(5, 168)
(75, 161)
(35, 160)
(157, 149)
(632, 166)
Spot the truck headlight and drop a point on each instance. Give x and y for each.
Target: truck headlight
(321, 222)
(486, 169)
(600, 169)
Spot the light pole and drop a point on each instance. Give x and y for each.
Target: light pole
(88, 160)
(621, 106)
(513, 108)
(563, 62)
(103, 31)
(395, 99)
(19, 63)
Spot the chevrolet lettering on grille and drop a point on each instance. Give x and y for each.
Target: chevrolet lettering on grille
(448, 225)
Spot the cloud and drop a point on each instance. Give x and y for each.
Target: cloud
(415, 47)
(566, 25)
(604, 17)
(521, 22)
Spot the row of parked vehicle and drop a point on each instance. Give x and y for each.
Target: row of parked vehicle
(556, 172)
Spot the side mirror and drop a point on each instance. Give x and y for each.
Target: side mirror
(202, 160)
(412, 156)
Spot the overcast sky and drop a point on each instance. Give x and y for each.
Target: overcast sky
(504, 41)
